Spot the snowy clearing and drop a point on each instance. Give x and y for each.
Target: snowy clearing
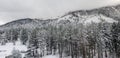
(6, 50)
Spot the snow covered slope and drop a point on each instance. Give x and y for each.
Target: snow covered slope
(87, 19)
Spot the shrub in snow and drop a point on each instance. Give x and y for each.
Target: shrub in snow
(15, 54)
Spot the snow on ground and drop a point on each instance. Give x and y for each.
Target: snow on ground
(19, 46)
(56, 56)
(6, 50)
(51, 56)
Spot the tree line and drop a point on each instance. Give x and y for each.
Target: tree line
(72, 39)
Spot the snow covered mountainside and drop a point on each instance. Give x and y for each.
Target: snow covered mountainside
(77, 34)
(108, 14)
(26, 23)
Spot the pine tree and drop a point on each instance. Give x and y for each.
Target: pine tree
(23, 36)
(115, 41)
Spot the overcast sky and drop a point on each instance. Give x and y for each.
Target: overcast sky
(17, 9)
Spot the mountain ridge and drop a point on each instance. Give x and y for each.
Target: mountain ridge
(109, 12)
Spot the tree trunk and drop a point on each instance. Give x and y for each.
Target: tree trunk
(92, 53)
(94, 50)
(89, 52)
(100, 52)
(84, 51)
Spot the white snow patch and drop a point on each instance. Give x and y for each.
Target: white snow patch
(51, 56)
(92, 19)
(99, 18)
(6, 50)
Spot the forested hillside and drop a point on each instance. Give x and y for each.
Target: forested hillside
(85, 34)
